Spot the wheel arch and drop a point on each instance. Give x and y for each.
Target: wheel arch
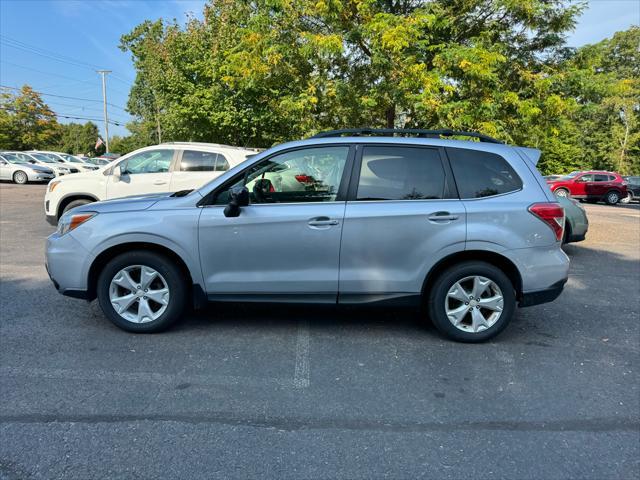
(67, 199)
(493, 258)
(106, 255)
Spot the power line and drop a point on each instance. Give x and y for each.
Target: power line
(74, 117)
(10, 42)
(67, 97)
(58, 75)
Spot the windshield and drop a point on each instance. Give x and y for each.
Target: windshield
(569, 176)
(71, 158)
(43, 158)
(13, 158)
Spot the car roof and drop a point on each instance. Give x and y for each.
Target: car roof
(207, 145)
(376, 140)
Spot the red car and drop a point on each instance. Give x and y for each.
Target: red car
(591, 186)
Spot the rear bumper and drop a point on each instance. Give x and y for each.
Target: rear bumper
(542, 296)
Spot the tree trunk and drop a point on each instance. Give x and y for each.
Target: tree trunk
(390, 115)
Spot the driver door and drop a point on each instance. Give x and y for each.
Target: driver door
(285, 244)
(142, 173)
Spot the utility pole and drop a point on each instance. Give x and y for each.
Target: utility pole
(104, 102)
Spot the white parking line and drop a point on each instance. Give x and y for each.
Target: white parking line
(301, 376)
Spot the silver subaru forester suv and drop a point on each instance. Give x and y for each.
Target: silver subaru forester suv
(466, 229)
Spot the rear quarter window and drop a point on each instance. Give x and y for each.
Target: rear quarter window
(482, 174)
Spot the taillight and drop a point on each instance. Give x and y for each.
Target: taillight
(552, 214)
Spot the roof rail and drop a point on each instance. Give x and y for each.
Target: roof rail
(356, 132)
(206, 144)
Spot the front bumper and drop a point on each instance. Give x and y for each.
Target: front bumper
(542, 296)
(65, 261)
(40, 177)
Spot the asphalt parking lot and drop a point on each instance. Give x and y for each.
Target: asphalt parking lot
(309, 392)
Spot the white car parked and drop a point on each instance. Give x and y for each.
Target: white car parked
(169, 167)
(70, 161)
(39, 159)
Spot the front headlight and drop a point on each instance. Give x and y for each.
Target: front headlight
(71, 221)
(53, 185)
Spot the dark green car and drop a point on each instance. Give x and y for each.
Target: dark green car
(576, 222)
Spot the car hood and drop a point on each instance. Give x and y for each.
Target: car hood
(128, 204)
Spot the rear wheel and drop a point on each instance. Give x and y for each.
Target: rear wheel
(627, 199)
(612, 197)
(561, 192)
(20, 177)
(472, 302)
(142, 292)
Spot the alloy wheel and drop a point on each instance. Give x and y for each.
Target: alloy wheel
(474, 304)
(139, 294)
(20, 177)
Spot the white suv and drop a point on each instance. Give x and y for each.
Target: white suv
(169, 167)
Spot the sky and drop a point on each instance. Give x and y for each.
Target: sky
(55, 46)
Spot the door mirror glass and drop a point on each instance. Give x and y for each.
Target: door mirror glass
(116, 173)
(239, 198)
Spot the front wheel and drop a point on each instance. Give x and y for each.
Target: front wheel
(142, 292)
(612, 198)
(472, 302)
(74, 204)
(627, 199)
(561, 192)
(20, 177)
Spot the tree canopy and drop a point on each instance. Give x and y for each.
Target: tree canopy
(26, 122)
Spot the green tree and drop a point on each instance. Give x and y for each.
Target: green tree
(78, 138)
(261, 72)
(26, 122)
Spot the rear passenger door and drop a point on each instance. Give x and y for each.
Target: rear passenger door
(402, 215)
(196, 167)
(599, 187)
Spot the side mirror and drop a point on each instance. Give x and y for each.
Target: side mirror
(239, 199)
(116, 173)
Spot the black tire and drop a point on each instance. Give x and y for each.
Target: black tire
(562, 192)
(437, 297)
(20, 177)
(174, 277)
(75, 203)
(567, 232)
(612, 197)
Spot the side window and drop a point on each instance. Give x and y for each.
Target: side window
(586, 178)
(400, 173)
(601, 178)
(222, 165)
(305, 175)
(153, 161)
(482, 174)
(612, 178)
(195, 161)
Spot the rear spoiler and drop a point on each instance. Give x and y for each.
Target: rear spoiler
(531, 154)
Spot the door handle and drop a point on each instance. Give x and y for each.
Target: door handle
(322, 222)
(160, 182)
(442, 217)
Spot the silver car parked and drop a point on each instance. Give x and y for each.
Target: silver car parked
(469, 230)
(16, 169)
